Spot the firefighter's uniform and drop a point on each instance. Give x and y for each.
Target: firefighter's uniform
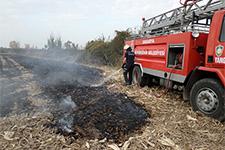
(128, 66)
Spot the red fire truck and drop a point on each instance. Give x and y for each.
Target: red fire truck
(183, 49)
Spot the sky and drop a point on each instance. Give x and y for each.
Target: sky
(33, 21)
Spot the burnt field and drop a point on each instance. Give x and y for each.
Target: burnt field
(31, 85)
(96, 113)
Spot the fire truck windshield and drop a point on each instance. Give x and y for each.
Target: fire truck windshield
(222, 35)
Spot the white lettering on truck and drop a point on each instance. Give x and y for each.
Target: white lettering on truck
(220, 60)
(150, 52)
(148, 41)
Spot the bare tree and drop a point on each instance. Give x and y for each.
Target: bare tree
(54, 43)
(68, 45)
(27, 46)
(14, 44)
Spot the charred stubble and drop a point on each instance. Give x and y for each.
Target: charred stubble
(98, 113)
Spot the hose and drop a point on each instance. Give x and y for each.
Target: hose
(167, 84)
(106, 79)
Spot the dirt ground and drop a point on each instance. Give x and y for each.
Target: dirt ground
(171, 124)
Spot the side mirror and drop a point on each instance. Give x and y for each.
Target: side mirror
(195, 34)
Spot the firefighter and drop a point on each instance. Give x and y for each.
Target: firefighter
(128, 65)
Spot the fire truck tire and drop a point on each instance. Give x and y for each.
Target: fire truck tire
(208, 96)
(137, 77)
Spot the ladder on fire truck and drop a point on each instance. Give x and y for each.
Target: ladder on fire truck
(194, 15)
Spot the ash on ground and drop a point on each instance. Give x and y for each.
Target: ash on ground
(95, 113)
(79, 109)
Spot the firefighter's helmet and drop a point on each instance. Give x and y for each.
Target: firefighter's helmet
(126, 47)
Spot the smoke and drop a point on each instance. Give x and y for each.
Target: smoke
(24, 75)
(66, 120)
(67, 105)
(59, 66)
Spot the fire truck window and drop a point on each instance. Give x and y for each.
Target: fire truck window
(222, 36)
(175, 57)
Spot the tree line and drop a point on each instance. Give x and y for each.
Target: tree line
(107, 52)
(53, 43)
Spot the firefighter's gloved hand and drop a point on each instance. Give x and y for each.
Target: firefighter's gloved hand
(124, 67)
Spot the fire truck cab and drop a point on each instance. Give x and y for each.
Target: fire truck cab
(189, 59)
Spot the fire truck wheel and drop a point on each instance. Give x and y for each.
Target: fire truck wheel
(207, 97)
(137, 77)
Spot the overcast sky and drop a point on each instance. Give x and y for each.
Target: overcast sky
(32, 21)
